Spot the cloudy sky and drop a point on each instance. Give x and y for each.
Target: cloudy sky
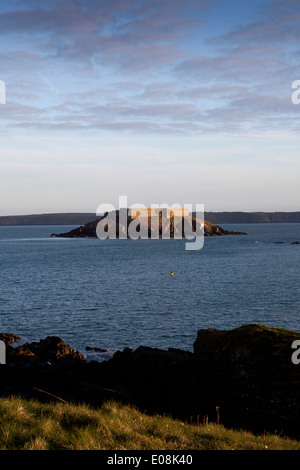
(165, 101)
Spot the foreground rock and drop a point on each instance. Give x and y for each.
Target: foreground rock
(8, 338)
(49, 350)
(243, 376)
(89, 230)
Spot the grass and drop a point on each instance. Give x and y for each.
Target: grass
(35, 426)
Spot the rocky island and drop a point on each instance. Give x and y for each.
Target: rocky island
(175, 226)
(243, 378)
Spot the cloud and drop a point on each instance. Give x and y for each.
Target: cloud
(133, 66)
(279, 25)
(62, 19)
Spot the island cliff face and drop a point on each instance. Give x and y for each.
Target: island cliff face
(176, 227)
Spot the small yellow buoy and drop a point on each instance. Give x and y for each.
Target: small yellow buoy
(171, 273)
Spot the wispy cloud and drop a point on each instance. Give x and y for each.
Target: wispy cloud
(147, 66)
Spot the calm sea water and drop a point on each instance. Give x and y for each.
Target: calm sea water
(119, 293)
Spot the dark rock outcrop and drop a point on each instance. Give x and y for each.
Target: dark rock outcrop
(252, 217)
(245, 376)
(292, 243)
(50, 349)
(92, 348)
(8, 338)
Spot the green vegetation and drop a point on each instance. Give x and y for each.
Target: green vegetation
(279, 332)
(35, 426)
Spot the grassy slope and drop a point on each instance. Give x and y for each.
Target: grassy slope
(35, 426)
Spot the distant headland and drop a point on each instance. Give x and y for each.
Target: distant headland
(252, 217)
(78, 218)
(82, 218)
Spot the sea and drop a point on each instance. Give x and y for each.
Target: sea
(113, 294)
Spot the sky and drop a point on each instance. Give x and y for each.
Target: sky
(162, 101)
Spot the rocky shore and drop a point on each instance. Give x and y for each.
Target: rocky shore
(243, 378)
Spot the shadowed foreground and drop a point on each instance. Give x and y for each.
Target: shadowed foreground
(242, 378)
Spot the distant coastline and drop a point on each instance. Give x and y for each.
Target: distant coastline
(82, 218)
(48, 219)
(252, 217)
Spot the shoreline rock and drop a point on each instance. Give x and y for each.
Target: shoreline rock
(48, 350)
(92, 348)
(291, 243)
(9, 338)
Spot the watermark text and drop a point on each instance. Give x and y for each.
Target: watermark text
(2, 92)
(157, 221)
(2, 353)
(296, 94)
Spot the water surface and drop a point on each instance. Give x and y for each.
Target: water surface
(119, 293)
